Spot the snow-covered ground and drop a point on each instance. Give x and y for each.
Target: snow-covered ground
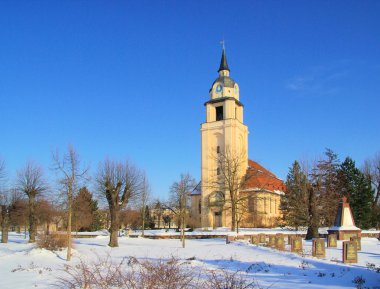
(24, 266)
(226, 231)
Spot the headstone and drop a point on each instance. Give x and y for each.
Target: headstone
(271, 241)
(358, 242)
(262, 238)
(290, 237)
(229, 239)
(296, 244)
(319, 248)
(349, 235)
(280, 243)
(350, 253)
(331, 240)
(254, 239)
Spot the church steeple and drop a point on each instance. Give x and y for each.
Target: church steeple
(223, 62)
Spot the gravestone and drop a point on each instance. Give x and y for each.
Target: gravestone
(350, 253)
(296, 244)
(331, 240)
(280, 243)
(319, 248)
(290, 237)
(358, 242)
(229, 239)
(254, 239)
(262, 238)
(271, 241)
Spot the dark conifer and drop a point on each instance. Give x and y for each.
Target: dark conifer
(294, 201)
(357, 188)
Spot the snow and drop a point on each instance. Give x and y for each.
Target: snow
(223, 231)
(345, 228)
(24, 266)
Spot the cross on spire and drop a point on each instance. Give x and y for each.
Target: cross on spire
(223, 61)
(223, 44)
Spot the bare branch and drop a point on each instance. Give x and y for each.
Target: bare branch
(72, 175)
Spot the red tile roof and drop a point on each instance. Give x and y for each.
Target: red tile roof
(259, 177)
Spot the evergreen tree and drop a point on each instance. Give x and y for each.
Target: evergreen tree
(85, 215)
(294, 201)
(326, 185)
(357, 188)
(149, 222)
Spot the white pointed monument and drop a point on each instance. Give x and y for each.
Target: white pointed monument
(344, 226)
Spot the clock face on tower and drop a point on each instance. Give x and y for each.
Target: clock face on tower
(218, 88)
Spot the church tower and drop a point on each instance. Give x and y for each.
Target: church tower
(222, 132)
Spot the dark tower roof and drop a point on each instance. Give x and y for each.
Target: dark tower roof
(223, 62)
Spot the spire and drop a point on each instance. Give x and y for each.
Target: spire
(223, 61)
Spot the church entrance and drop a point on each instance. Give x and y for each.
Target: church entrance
(217, 220)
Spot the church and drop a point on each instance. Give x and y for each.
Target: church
(228, 177)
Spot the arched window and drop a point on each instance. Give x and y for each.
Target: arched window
(216, 199)
(251, 204)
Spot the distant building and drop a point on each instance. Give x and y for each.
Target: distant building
(224, 132)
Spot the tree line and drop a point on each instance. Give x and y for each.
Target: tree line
(313, 192)
(123, 187)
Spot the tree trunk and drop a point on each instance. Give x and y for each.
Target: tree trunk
(69, 215)
(114, 228)
(143, 221)
(233, 211)
(312, 230)
(183, 232)
(4, 224)
(32, 219)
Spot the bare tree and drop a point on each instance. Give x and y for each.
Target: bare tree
(118, 183)
(144, 198)
(18, 212)
(71, 175)
(4, 220)
(30, 181)
(372, 171)
(4, 206)
(179, 201)
(2, 175)
(231, 179)
(45, 214)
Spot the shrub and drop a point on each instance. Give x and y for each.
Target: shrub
(128, 273)
(359, 281)
(52, 242)
(134, 274)
(221, 279)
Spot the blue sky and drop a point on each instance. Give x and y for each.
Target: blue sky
(128, 80)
